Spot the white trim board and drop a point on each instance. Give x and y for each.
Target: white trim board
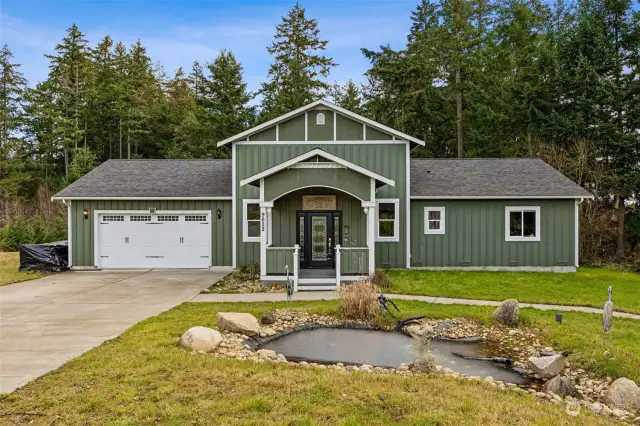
(329, 142)
(396, 221)
(498, 197)
(245, 227)
(321, 102)
(558, 269)
(320, 153)
(143, 198)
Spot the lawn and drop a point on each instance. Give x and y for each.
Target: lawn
(9, 273)
(587, 287)
(142, 377)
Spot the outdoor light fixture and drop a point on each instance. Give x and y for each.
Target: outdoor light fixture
(85, 213)
(219, 213)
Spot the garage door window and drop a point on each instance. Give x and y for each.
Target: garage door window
(140, 218)
(113, 218)
(167, 218)
(195, 218)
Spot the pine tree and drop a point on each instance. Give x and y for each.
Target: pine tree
(12, 91)
(348, 96)
(84, 160)
(102, 100)
(180, 115)
(296, 77)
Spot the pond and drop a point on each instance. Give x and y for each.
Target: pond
(386, 349)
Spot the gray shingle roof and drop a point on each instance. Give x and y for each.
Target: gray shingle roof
(495, 177)
(154, 178)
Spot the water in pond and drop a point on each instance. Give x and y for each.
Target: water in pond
(385, 349)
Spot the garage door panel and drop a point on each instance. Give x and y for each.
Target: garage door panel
(153, 241)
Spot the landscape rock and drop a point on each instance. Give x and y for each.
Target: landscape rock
(547, 366)
(268, 318)
(560, 386)
(238, 323)
(201, 339)
(623, 393)
(267, 354)
(508, 313)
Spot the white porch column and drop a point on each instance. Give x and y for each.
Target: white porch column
(296, 266)
(338, 277)
(263, 240)
(370, 211)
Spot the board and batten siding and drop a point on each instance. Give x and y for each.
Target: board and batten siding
(386, 159)
(475, 235)
(83, 230)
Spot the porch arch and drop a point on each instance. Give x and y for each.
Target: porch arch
(343, 179)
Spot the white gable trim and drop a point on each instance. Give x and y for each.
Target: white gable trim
(312, 105)
(321, 153)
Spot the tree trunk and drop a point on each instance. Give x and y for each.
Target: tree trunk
(621, 212)
(459, 114)
(120, 140)
(128, 146)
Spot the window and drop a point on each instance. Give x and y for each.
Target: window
(196, 218)
(434, 220)
(167, 218)
(388, 223)
(112, 218)
(251, 221)
(320, 119)
(522, 223)
(140, 218)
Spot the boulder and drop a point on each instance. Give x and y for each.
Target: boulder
(268, 318)
(237, 322)
(201, 339)
(266, 354)
(508, 313)
(547, 366)
(623, 394)
(560, 386)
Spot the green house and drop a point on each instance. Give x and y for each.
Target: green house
(325, 195)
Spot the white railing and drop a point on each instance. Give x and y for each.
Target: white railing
(338, 278)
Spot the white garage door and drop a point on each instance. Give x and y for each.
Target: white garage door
(164, 240)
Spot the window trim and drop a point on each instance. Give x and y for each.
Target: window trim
(443, 223)
(320, 119)
(396, 220)
(507, 212)
(245, 225)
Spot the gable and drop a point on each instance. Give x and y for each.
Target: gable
(320, 121)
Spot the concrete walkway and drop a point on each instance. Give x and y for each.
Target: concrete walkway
(49, 321)
(332, 295)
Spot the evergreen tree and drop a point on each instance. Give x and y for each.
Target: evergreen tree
(12, 91)
(296, 77)
(84, 160)
(348, 96)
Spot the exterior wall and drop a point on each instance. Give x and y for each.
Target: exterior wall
(284, 217)
(475, 235)
(83, 229)
(385, 159)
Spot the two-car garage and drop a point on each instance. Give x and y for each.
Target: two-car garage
(152, 240)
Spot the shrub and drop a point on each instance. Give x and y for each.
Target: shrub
(381, 279)
(251, 268)
(30, 230)
(359, 301)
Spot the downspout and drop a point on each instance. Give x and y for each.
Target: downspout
(577, 232)
(69, 245)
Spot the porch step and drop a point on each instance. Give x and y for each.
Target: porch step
(315, 287)
(316, 281)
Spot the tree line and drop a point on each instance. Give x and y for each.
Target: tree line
(475, 78)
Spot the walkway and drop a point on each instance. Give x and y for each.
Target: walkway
(332, 295)
(48, 321)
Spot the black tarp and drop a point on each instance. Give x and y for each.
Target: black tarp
(49, 257)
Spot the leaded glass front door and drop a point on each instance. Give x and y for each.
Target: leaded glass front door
(317, 234)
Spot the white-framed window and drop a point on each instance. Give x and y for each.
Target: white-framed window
(388, 219)
(251, 221)
(434, 220)
(320, 119)
(522, 223)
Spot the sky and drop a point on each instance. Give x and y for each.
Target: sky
(178, 32)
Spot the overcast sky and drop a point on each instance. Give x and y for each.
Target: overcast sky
(178, 32)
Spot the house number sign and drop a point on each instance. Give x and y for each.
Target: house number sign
(263, 221)
(318, 202)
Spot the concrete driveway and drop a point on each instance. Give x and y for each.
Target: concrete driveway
(46, 322)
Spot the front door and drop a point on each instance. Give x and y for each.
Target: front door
(316, 234)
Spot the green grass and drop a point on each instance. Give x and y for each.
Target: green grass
(586, 287)
(9, 273)
(142, 378)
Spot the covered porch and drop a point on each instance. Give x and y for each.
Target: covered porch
(317, 221)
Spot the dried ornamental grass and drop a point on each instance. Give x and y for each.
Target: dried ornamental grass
(359, 301)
